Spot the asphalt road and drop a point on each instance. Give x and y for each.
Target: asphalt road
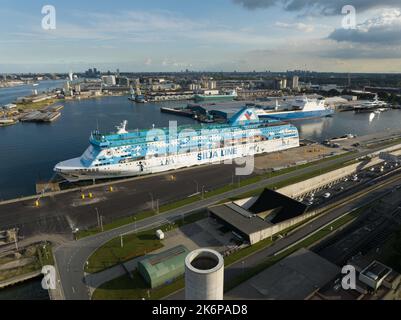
(61, 213)
(72, 256)
(243, 266)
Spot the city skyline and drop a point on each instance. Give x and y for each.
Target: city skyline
(226, 35)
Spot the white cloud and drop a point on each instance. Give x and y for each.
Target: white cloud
(296, 26)
(323, 7)
(384, 29)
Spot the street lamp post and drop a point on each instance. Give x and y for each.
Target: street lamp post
(101, 223)
(98, 218)
(151, 197)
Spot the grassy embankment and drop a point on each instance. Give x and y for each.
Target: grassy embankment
(144, 242)
(37, 105)
(391, 254)
(134, 245)
(38, 254)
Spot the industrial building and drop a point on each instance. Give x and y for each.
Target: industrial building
(293, 278)
(374, 281)
(204, 275)
(255, 219)
(163, 268)
(109, 80)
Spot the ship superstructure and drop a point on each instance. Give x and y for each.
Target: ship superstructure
(140, 152)
(298, 109)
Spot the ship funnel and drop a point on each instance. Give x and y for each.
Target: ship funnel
(121, 129)
(245, 115)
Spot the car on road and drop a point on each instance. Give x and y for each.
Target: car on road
(327, 195)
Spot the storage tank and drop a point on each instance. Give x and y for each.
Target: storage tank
(204, 275)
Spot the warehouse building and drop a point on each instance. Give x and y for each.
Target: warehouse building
(294, 278)
(163, 268)
(255, 219)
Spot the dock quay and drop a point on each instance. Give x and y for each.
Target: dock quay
(170, 96)
(7, 122)
(38, 116)
(66, 210)
(52, 108)
(178, 111)
(19, 279)
(47, 114)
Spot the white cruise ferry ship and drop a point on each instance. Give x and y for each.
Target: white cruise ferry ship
(124, 154)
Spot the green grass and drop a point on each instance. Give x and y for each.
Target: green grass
(42, 257)
(134, 245)
(125, 288)
(171, 206)
(391, 254)
(45, 254)
(290, 181)
(251, 272)
(37, 105)
(135, 288)
(384, 143)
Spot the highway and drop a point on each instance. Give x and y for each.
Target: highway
(72, 256)
(244, 265)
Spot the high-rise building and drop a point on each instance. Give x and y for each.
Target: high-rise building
(122, 81)
(212, 85)
(295, 83)
(109, 80)
(280, 83)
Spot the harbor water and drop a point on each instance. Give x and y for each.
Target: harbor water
(27, 290)
(29, 151)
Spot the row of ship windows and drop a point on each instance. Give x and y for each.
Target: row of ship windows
(158, 155)
(199, 145)
(274, 130)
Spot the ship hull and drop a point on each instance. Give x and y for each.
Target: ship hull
(296, 115)
(174, 162)
(214, 97)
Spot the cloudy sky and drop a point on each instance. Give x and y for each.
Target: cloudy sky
(173, 35)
